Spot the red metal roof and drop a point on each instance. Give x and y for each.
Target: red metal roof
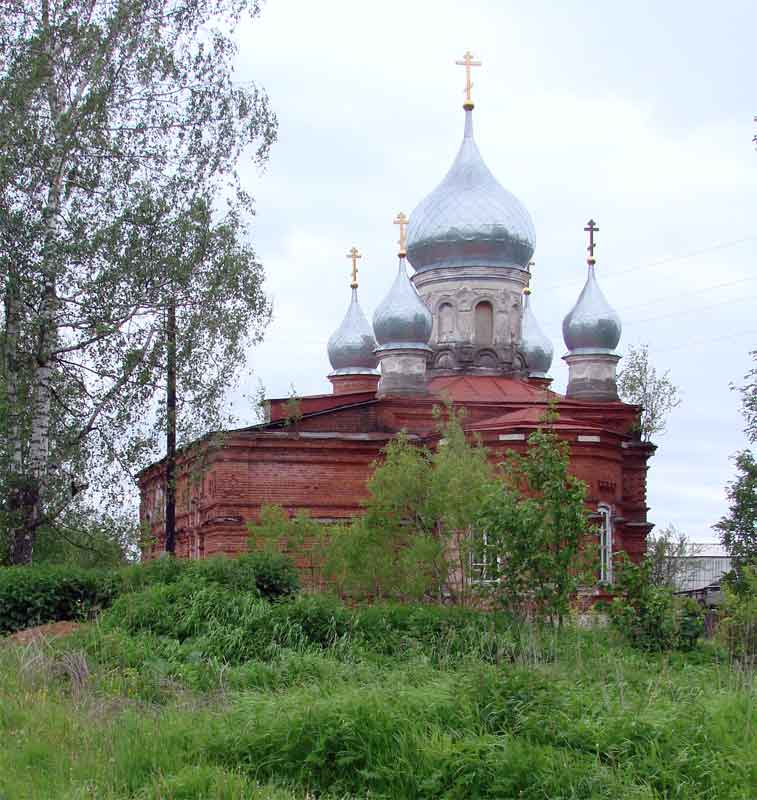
(530, 418)
(488, 389)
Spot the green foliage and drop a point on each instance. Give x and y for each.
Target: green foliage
(273, 575)
(669, 556)
(530, 534)
(596, 719)
(738, 624)
(738, 530)
(33, 595)
(296, 534)
(85, 538)
(639, 384)
(122, 129)
(412, 540)
(648, 616)
(30, 596)
(292, 408)
(748, 391)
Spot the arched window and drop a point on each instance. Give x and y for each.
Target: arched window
(484, 323)
(605, 544)
(446, 321)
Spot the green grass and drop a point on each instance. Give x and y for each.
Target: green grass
(318, 701)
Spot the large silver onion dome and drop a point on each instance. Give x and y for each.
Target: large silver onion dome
(535, 347)
(470, 220)
(402, 319)
(592, 324)
(352, 344)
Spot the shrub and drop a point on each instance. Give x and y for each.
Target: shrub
(275, 574)
(271, 574)
(649, 617)
(738, 627)
(148, 573)
(180, 610)
(31, 596)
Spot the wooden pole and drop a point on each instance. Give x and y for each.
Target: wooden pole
(171, 427)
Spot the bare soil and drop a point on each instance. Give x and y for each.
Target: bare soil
(52, 630)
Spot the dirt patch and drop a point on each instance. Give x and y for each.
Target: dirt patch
(52, 630)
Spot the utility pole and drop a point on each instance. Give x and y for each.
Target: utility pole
(171, 426)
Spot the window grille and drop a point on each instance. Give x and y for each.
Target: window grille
(605, 544)
(484, 560)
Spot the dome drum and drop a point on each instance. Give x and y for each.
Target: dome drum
(592, 376)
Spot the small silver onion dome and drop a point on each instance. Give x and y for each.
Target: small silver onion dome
(535, 347)
(402, 319)
(592, 324)
(470, 220)
(352, 344)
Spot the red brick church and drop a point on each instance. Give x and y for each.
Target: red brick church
(460, 329)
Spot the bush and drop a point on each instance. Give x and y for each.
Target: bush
(270, 574)
(34, 595)
(274, 573)
(738, 626)
(649, 617)
(31, 596)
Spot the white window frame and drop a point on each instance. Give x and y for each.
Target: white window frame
(480, 570)
(605, 543)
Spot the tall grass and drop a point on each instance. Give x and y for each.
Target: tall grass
(307, 699)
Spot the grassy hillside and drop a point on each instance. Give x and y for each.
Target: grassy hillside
(187, 692)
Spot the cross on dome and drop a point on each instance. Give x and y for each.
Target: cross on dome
(354, 254)
(402, 220)
(591, 228)
(468, 62)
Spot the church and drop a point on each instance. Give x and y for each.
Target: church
(460, 329)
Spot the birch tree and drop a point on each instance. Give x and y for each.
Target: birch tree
(640, 384)
(120, 133)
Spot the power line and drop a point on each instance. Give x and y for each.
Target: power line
(659, 262)
(698, 342)
(689, 294)
(687, 311)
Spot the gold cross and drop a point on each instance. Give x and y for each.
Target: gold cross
(402, 221)
(354, 255)
(468, 62)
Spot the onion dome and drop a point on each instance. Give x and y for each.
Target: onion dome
(535, 347)
(402, 320)
(470, 220)
(352, 344)
(592, 324)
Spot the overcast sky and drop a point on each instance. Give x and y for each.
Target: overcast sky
(636, 114)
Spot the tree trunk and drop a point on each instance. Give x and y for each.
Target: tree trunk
(171, 428)
(11, 369)
(27, 483)
(22, 505)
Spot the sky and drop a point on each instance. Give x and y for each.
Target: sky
(639, 115)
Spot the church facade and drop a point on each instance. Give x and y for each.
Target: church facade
(462, 329)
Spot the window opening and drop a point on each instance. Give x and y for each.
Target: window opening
(484, 560)
(484, 323)
(605, 544)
